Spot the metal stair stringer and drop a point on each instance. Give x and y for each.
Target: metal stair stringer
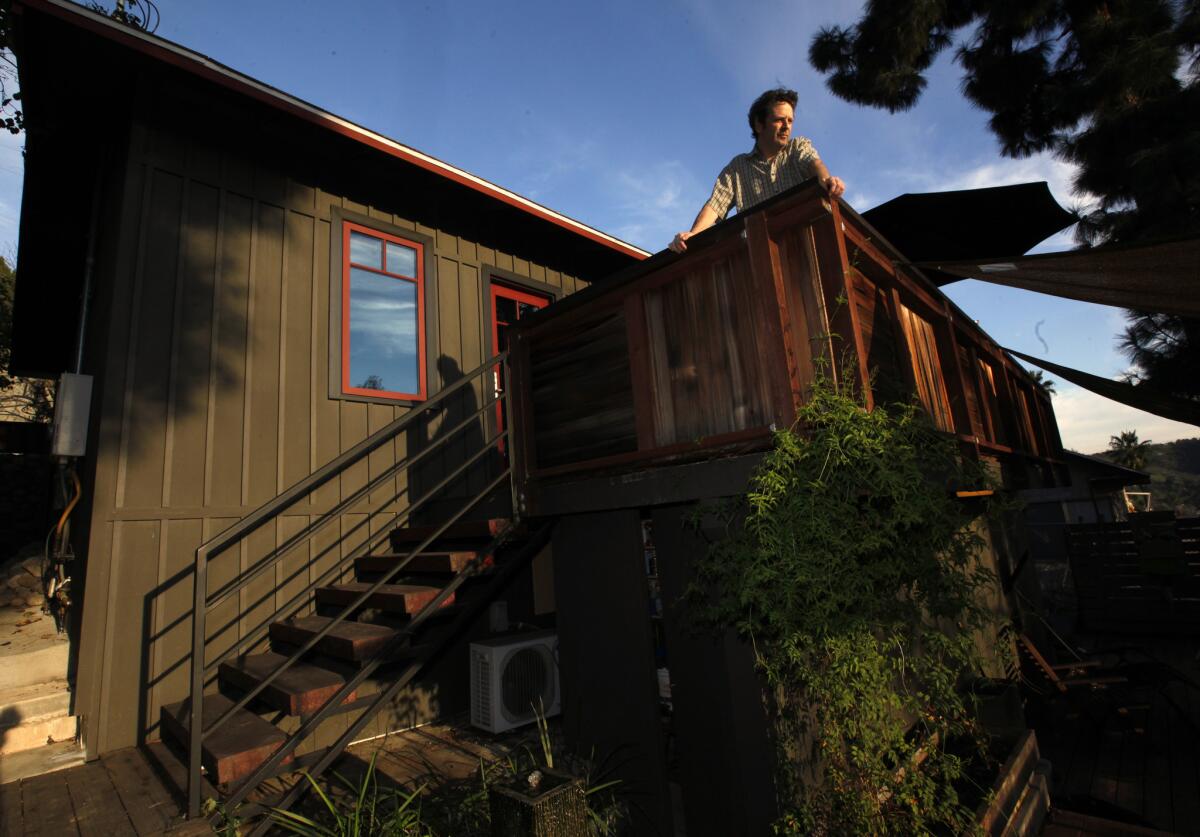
(501, 577)
(196, 725)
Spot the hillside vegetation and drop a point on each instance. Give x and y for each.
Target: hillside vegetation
(1175, 471)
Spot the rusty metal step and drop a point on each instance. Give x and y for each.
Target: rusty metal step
(350, 641)
(235, 749)
(301, 690)
(394, 598)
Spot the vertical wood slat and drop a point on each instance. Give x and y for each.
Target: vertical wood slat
(1011, 407)
(295, 350)
(261, 457)
(231, 319)
(966, 420)
(927, 367)
(190, 353)
(903, 347)
(843, 316)
(768, 281)
(644, 397)
(758, 404)
(806, 302)
(663, 401)
(986, 396)
(520, 405)
(143, 454)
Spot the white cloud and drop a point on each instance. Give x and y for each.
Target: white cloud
(1000, 172)
(1086, 421)
(656, 202)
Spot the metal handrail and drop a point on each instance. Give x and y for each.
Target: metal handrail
(372, 540)
(269, 511)
(378, 657)
(307, 532)
(362, 598)
(536, 542)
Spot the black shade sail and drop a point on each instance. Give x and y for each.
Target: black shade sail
(1163, 277)
(1140, 397)
(969, 224)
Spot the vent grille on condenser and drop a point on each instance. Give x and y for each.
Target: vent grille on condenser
(481, 694)
(525, 682)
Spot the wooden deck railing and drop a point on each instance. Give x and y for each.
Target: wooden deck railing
(685, 357)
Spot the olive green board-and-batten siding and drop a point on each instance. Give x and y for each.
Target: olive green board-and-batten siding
(210, 341)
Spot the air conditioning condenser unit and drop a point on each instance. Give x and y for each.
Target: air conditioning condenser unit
(512, 679)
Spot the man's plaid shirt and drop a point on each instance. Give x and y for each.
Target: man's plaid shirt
(749, 180)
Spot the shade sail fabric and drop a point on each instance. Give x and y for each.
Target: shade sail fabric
(1163, 277)
(1140, 397)
(969, 223)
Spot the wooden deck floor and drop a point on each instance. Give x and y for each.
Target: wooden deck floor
(1132, 751)
(134, 791)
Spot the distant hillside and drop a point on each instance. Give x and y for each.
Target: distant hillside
(1175, 469)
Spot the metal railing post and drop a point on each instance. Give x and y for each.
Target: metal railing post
(271, 510)
(196, 704)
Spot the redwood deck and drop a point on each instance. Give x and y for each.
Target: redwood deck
(1132, 751)
(133, 791)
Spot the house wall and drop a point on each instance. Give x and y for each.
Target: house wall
(210, 340)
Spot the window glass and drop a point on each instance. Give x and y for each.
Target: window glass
(383, 333)
(366, 250)
(506, 310)
(382, 295)
(401, 260)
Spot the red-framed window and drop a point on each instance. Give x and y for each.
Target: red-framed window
(383, 315)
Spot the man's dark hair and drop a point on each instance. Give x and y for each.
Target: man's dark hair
(763, 104)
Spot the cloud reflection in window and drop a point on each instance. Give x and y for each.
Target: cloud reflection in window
(384, 345)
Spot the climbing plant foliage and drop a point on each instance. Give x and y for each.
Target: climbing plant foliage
(857, 576)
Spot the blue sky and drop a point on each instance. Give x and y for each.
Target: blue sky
(620, 114)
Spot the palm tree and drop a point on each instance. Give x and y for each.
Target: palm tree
(1040, 379)
(1126, 450)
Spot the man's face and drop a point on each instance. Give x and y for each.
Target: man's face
(776, 129)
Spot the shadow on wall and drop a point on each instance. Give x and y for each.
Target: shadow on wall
(437, 427)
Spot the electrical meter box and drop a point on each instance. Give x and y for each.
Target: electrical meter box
(72, 404)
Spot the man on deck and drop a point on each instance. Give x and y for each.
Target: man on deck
(777, 162)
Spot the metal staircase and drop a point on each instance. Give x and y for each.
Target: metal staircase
(370, 620)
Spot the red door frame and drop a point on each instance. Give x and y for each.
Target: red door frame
(499, 291)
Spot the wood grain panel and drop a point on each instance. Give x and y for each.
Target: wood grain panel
(222, 399)
(230, 320)
(325, 411)
(136, 553)
(191, 349)
(143, 435)
(171, 643)
(262, 397)
(701, 329)
(295, 351)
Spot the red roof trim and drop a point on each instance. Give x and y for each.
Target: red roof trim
(204, 67)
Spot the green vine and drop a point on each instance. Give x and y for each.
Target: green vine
(857, 576)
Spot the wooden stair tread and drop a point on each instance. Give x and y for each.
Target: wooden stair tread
(236, 749)
(301, 690)
(399, 598)
(465, 534)
(353, 641)
(436, 563)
